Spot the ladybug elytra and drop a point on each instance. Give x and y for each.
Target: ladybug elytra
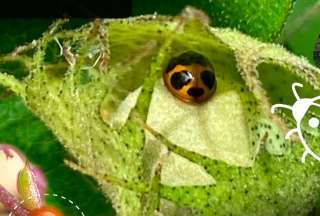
(190, 77)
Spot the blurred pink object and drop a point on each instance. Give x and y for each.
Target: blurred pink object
(12, 161)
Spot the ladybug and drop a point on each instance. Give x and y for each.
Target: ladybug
(190, 77)
(316, 52)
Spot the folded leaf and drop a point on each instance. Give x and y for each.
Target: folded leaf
(79, 94)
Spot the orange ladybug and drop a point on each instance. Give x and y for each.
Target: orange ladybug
(190, 77)
(46, 211)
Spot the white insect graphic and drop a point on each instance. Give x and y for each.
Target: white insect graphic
(299, 109)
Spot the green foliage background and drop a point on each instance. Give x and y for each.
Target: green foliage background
(302, 28)
(18, 126)
(263, 19)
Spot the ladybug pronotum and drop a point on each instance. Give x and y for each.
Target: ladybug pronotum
(190, 77)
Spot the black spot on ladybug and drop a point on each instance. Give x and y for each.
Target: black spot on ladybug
(195, 92)
(180, 79)
(208, 78)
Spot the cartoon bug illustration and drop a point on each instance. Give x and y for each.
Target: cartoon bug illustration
(299, 109)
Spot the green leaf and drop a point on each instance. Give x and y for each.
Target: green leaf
(261, 19)
(302, 28)
(121, 56)
(21, 128)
